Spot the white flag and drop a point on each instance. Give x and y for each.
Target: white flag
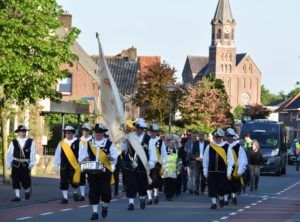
(112, 107)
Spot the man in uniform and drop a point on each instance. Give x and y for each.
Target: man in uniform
(135, 167)
(103, 150)
(155, 146)
(21, 159)
(66, 157)
(235, 171)
(86, 137)
(215, 162)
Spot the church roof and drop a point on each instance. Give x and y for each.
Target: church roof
(240, 57)
(197, 63)
(223, 12)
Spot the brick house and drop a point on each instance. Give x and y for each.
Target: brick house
(241, 76)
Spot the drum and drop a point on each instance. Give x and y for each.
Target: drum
(92, 167)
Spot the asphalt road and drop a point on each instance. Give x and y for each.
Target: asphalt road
(278, 199)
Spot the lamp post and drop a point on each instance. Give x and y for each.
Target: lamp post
(170, 87)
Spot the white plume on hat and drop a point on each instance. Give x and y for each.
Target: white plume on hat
(87, 126)
(219, 132)
(230, 132)
(140, 123)
(69, 128)
(154, 127)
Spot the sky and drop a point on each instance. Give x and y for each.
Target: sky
(268, 30)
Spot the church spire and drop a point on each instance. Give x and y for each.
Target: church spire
(223, 13)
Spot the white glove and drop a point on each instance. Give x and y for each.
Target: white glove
(151, 165)
(30, 167)
(113, 168)
(8, 166)
(240, 173)
(205, 173)
(56, 169)
(228, 173)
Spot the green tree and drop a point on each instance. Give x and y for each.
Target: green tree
(239, 112)
(31, 54)
(152, 95)
(267, 97)
(294, 92)
(205, 106)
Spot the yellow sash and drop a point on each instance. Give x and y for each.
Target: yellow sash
(235, 174)
(103, 159)
(220, 151)
(72, 159)
(83, 142)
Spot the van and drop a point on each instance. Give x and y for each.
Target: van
(271, 137)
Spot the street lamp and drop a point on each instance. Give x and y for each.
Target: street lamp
(170, 87)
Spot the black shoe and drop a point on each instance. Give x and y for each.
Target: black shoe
(156, 200)
(80, 198)
(130, 206)
(177, 195)
(64, 201)
(116, 193)
(104, 211)
(191, 192)
(213, 206)
(251, 189)
(226, 203)
(94, 216)
(197, 193)
(27, 195)
(149, 202)
(16, 199)
(221, 203)
(75, 196)
(234, 201)
(142, 204)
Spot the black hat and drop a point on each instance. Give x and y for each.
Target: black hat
(70, 129)
(21, 128)
(100, 128)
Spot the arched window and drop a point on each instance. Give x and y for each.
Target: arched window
(244, 68)
(250, 68)
(222, 68)
(230, 57)
(219, 34)
(230, 68)
(226, 69)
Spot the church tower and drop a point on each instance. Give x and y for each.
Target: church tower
(222, 52)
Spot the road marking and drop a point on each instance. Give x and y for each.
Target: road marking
(241, 210)
(123, 198)
(24, 218)
(253, 204)
(83, 206)
(278, 193)
(67, 209)
(114, 200)
(259, 201)
(247, 207)
(265, 198)
(48, 213)
(223, 218)
(233, 213)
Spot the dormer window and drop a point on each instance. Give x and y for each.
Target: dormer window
(219, 34)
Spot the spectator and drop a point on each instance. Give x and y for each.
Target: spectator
(190, 159)
(255, 162)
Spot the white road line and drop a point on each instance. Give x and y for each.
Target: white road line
(247, 207)
(233, 213)
(24, 218)
(114, 200)
(67, 209)
(123, 198)
(223, 218)
(259, 201)
(83, 206)
(215, 221)
(48, 213)
(241, 210)
(278, 193)
(253, 204)
(265, 198)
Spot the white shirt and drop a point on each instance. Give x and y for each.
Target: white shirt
(201, 148)
(10, 152)
(83, 153)
(152, 151)
(57, 159)
(86, 139)
(242, 159)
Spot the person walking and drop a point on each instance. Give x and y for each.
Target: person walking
(255, 162)
(188, 148)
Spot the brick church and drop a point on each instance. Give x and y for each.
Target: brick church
(241, 76)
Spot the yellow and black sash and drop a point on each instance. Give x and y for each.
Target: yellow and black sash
(103, 159)
(220, 151)
(235, 174)
(73, 160)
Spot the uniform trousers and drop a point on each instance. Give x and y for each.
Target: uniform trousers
(200, 179)
(99, 188)
(235, 185)
(136, 182)
(217, 184)
(82, 179)
(169, 187)
(117, 175)
(21, 176)
(156, 178)
(66, 178)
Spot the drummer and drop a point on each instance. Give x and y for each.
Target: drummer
(86, 137)
(100, 183)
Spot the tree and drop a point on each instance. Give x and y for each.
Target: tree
(152, 94)
(31, 54)
(293, 92)
(267, 97)
(257, 112)
(239, 112)
(205, 106)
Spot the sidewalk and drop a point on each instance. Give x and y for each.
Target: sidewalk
(43, 190)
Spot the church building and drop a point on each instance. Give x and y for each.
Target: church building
(241, 76)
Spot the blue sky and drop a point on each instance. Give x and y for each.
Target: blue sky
(266, 29)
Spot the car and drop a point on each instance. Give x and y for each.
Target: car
(292, 156)
(271, 137)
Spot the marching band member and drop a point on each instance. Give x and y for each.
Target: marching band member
(66, 157)
(215, 162)
(100, 183)
(235, 171)
(156, 147)
(21, 159)
(136, 164)
(86, 137)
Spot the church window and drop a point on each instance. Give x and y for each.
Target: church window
(230, 57)
(222, 68)
(226, 36)
(250, 68)
(219, 34)
(244, 68)
(230, 68)
(226, 68)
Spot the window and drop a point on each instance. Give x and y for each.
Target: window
(250, 68)
(65, 85)
(230, 69)
(219, 34)
(226, 36)
(230, 57)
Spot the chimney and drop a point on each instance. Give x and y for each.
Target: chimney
(66, 20)
(130, 54)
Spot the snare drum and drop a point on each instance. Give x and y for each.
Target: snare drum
(92, 167)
